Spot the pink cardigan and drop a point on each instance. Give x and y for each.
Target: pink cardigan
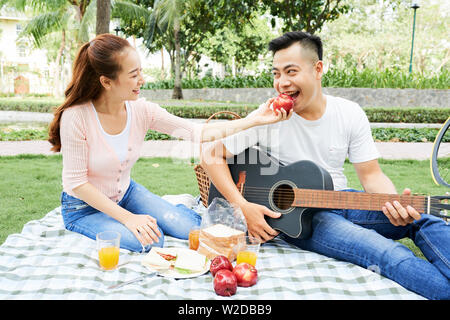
(87, 157)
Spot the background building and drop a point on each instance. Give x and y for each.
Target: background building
(18, 58)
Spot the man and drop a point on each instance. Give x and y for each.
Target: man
(325, 129)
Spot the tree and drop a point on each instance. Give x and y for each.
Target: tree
(167, 17)
(300, 15)
(103, 16)
(181, 26)
(240, 49)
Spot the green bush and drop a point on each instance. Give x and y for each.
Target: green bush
(389, 115)
(349, 78)
(406, 134)
(379, 134)
(375, 114)
(28, 104)
(389, 78)
(202, 112)
(155, 135)
(23, 135)
(407, 115)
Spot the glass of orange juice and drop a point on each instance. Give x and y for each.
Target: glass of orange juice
(248, 249)
(194, 235)
(108, 247)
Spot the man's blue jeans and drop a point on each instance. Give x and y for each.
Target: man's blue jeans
(366, 238)
(175, 221)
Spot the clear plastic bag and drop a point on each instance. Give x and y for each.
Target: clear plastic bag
(223, 225)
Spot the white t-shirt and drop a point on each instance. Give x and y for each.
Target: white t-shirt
(342, 130)
(119, 142)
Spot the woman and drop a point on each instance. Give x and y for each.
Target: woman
(99, 130)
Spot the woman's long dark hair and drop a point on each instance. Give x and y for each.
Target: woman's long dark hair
(94, 59)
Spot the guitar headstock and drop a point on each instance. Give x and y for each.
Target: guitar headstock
(439, 206)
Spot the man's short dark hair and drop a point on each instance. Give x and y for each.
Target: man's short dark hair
(306, 40)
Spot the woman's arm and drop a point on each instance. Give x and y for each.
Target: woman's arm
(143, 226)
(264, 115)
(163, 121)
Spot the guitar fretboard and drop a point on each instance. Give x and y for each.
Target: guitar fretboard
(353, 200)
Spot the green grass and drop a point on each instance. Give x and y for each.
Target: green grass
(31, 185)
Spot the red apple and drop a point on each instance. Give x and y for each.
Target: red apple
(219, 263)
(284, 101)
(225, 283)
(246, 274)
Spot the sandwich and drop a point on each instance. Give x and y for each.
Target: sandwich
(160, 258)
(181, 261)
(219, 239)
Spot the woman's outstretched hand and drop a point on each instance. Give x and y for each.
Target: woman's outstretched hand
(266, 115)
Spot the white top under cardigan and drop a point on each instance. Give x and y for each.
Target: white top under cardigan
(119, 142)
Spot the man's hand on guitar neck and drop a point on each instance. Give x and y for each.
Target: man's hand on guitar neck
(374, 180)
(256, 224)
(399, 215)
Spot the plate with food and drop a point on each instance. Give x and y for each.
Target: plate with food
(177, 263)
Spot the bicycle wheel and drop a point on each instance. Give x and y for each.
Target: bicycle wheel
(440, 158)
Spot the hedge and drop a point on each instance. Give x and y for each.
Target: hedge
(379, 134)
(375, 114)
(334, 78)
(27, 104)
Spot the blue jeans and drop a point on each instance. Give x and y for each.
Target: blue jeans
(174, 221)
(366, 238)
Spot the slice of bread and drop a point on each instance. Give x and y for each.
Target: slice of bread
(190, 261)
(219, 239)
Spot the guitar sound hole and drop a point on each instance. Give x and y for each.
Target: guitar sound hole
(283, 196)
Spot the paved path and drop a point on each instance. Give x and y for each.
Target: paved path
(186, 149)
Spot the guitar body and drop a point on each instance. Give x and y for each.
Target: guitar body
(270, 184)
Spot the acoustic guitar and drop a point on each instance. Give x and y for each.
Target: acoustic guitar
(302, 188)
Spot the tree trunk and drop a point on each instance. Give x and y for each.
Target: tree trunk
(58, 87)
(177, 92)
(163, 74)
(103, 16)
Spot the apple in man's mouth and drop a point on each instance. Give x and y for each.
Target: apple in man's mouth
(284, 101)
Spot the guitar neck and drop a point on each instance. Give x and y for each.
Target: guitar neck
(353, 200)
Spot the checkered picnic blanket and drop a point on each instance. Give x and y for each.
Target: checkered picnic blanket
(45, 261)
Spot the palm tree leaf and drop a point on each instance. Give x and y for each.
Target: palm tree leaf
(43, 24)
(129, 10)
(39, 6)
(167, 12)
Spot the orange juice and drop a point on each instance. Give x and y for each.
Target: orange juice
(193, 239)
(246, 256)
(108, 257)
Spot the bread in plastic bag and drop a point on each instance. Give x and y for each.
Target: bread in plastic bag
(223, 225)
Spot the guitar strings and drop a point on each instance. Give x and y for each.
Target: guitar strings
(348, 195)
(262, 193)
